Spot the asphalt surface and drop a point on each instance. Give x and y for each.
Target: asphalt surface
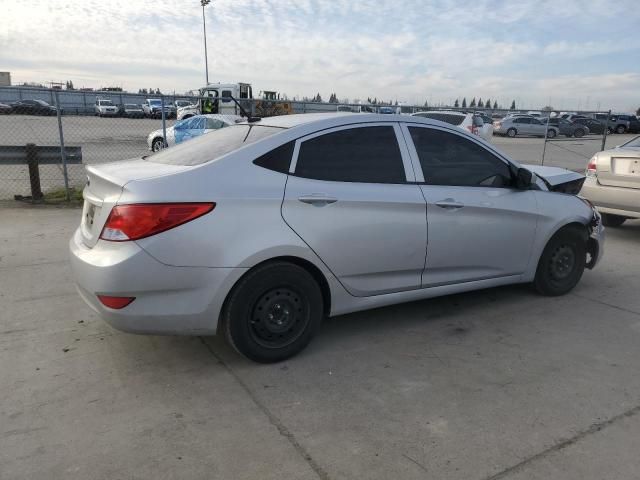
(111, 139)
(495, 384)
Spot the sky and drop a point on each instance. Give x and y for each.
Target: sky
(570, 54)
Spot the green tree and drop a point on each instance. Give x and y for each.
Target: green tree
(480, 103)
(464, 102)
(513, 105)
(487, 103)
(456, 104)
(495, 104)
(426, 104)
(638, 112)
(473, 103)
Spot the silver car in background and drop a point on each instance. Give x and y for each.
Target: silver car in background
(259, 230)
(512, 126)
(613, 183)
(466, 121)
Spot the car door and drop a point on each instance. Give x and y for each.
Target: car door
(523, 125)
(480, 227)
(351, 198)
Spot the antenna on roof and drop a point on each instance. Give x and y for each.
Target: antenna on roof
(244, 113)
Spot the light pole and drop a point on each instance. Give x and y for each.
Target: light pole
(204, 3)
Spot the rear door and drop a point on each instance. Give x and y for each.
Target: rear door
(523, 125)
(352, 199)
(480, 227)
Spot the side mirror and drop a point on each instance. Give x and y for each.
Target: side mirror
(523, 179)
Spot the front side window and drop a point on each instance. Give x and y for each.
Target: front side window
(214, 124)
(365, 154)
(449, 159)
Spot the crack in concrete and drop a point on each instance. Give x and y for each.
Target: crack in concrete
(595, 300)
(594, 428)
(273, 419)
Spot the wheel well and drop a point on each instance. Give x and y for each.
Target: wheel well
(574, 226)
(314, 271)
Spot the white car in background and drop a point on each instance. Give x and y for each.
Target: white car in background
(105, 108)
(189, 128)
(466, 121)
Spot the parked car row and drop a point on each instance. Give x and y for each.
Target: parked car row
(28, 107)
(567, 124)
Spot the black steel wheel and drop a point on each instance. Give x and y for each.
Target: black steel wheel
(157, 144)
(562, 262)
(273, 312)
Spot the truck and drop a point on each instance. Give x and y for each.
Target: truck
(219, 98)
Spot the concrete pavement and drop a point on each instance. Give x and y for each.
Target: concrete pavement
(494, 384)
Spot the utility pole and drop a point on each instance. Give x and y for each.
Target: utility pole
(204, 3)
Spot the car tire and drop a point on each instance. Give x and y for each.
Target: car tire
(273, 312)
(551, 133)
(610, 220)
(157, 144)
(579, 133)
(512, 132)
(620, 129)
(562, 262)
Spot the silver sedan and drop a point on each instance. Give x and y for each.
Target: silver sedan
(260, 230)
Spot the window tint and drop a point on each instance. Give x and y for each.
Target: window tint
(214, 123)
(522, 120)
(213, 145)
(449, 159)
(451, 118)
(278, 159)
(366, 154)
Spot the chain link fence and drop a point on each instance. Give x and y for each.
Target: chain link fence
(98, 127)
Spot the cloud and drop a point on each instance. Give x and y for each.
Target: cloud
(411, 50)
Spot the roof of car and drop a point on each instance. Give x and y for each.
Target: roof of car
(336, 119)
(446, 112)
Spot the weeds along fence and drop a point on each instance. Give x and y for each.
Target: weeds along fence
(44, 152)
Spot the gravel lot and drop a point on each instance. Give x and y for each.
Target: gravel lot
(110, 139)
(496, 384)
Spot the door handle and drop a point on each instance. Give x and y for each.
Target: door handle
(449, 204)
(317, 199)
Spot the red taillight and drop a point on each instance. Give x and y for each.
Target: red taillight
(473, 129)
(591, 168)
(132, 222)
(115, 302)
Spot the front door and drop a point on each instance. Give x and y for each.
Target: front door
(349, 198)
(480, 227)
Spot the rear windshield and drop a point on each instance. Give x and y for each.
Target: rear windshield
(213, 145)
(445, 117)
(635, 143)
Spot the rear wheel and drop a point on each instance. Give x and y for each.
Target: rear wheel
(562, 262)
(579, 133)
(512, 132)
(620, 129)
(273, 312)
(551, 133)
(610, 220)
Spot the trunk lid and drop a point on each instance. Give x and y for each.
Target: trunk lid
(619, 168)
(559, 179)
(105, 184)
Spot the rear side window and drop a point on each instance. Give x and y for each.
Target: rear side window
(214, 123)
(365, 154)
(445, 117)
(213, 145)
(278, 159)
(449, 159)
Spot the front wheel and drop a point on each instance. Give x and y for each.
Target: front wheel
(512, 132)
(620, 129)
(157, 144)
(579, 133)
(551, 134)
(610, 220)
(562, 262)
(273, 312)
